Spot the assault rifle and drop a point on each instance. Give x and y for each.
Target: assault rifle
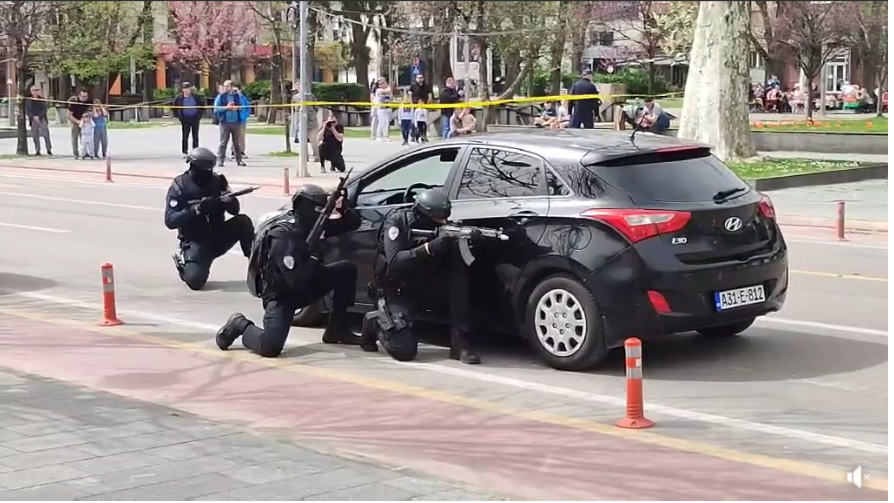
(317, 230)
(228, 195)
(464, 234)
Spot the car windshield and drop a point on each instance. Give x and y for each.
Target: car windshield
(682, 176)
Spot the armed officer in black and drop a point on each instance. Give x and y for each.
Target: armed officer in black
(196, 207)
(415, 271)
(291, 276)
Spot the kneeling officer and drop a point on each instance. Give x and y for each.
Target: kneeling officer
(196, 205)
(411, 271)
(287, 273)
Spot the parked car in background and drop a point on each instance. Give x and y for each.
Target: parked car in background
(610, 237)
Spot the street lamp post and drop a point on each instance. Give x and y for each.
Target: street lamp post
(298, 12)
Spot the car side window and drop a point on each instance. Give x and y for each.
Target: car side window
(430, 168)
(492, 173)
(554, 185)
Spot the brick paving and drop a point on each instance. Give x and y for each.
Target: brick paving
(62, 442)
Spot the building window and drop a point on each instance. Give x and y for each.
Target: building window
(755, 60)
(837, 71)
(603, 38)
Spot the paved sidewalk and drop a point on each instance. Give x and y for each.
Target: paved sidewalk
(61, 442)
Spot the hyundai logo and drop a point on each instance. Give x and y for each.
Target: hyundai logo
(732, 224)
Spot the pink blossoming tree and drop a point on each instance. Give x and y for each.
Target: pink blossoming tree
(212, 34)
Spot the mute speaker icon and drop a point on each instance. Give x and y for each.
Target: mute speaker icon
(856, 477)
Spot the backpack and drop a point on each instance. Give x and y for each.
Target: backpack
(260, 252)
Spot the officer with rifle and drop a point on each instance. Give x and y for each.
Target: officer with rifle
(196, 207)
(286, 271)
(419, 254)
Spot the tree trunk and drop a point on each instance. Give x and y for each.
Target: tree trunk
(360, 55)
(483, 87)
(652, 70)
(577, 51)
(21, 90)
(555, 62)
(810, 97)
(513, 61)
(277, 89)
(715, 110)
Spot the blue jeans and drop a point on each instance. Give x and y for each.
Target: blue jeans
(662, 124)
(445, 126)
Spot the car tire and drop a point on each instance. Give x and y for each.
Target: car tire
(591, 350)
(309, 317)
(727, 330)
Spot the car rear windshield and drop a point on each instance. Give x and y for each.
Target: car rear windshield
(678, 176)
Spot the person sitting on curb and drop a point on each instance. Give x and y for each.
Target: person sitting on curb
(462, 122)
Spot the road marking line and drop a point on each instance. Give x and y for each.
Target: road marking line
(534, 386)
(769, 462)
(846, 244)
(823, 326)
(78, 201)
(34, 228)
(839, 276)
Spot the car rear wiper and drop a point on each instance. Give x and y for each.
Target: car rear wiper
(723, 195)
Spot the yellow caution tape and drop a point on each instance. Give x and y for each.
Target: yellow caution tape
(393, 104)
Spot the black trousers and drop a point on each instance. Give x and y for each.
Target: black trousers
(422, 287)
(189, 126)
(582, 119)
(339, 277)
(334, 156)
(199, 255)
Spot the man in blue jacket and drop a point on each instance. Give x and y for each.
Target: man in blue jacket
(229, 108)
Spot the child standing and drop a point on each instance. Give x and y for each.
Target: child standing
(100, 129)
(87, 131)
(406, 116)
(420, 116)
(383, 94)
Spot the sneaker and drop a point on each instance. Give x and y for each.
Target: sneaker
(240, 163)
(404, 144)
(49, 152)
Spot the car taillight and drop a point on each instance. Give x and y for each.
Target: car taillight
(637, 225)
(766, 207)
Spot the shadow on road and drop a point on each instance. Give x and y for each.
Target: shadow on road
(11, 283)
(760, 354)
(226, 286)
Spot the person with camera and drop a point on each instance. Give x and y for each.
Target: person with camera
(331, 138)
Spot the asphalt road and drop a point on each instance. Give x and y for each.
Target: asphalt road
(801, 396)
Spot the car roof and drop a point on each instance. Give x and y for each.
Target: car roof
(588, 146)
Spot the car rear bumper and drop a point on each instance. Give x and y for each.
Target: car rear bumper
(621, 288)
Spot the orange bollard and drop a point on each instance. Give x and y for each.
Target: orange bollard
(839, 224)
(634, 420)
(108, 169)
(286, 190)
(109, 308)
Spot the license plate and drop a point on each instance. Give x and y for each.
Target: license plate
(739, 297)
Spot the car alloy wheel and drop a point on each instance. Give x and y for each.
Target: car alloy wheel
(560, 322)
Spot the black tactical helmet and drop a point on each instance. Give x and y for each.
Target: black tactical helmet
(309, 199)
(433, 203)
(201, 159)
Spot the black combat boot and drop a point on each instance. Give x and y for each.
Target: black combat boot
(233, 328)
(460, 348)
(369, 333)
(337, 331)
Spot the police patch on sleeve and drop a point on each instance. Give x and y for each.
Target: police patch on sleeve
(173, 203)
(393, 232)
(289, 262)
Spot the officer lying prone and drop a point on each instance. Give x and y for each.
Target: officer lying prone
(286, 271)
(196, 205)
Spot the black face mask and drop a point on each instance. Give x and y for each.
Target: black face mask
(201, 177)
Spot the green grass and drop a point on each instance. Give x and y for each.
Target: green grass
(282, 153)
(671, 103)
(876, 125)
(770, 168)
(140, 125)
(351, 132)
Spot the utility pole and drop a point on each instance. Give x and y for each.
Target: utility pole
(305, 88)
(11, 102)
(467, 55)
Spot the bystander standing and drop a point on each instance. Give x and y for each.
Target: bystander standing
(188, 109)
(36, 110)
(227, 108)
(448, 96)
(77, 105)
(100, 129)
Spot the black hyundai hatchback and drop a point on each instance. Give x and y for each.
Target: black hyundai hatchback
(610, 237)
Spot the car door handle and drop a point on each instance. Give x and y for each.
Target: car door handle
(524, 214)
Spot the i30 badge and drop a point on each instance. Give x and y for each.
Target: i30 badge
(732, 224)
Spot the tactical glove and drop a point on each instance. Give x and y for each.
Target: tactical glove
(208, 205)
